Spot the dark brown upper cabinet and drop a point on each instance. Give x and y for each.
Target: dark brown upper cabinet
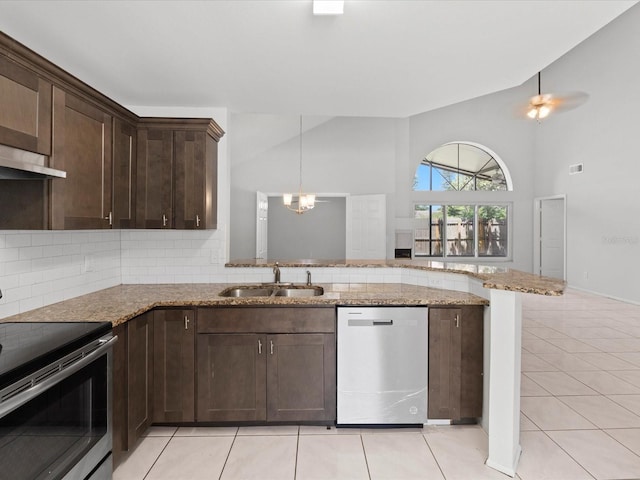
(123, 171)
(82, 148)
(25, 108)
(177, 173)
(124, 174)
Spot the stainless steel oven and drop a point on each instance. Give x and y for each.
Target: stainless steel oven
(55, 401)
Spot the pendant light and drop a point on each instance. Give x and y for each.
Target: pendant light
(303, 202)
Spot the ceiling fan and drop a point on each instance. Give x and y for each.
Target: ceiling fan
(541, 105)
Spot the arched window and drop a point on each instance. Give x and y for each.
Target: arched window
(461, 166)
(464, 227)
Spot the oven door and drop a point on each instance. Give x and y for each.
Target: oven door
(56, 424)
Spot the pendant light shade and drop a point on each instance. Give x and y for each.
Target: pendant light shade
(303, 202)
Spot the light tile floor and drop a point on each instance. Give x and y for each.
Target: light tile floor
(580, 419)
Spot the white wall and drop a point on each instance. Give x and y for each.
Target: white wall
(339, 155)
(603, 203)
(492, 121)
(319, 233)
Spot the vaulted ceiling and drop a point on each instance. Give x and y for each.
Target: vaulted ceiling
(389, 58)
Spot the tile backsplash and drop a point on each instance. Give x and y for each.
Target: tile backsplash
(38, 268)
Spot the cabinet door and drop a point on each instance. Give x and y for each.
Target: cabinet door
(444, 363)
(140, 375)
(81, 147)
(25, 112)
(119, 405)
(471, 362)
(189, 179)
(124, 174)
(455, 362)
(154, 196)
(301, 377)
(231, 378)
(173, 362)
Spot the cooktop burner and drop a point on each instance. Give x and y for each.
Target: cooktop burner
(25, 347)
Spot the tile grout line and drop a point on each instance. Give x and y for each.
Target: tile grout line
(424, 437)
(366, 460)
(295, 466)
(160, 454)
(229, 453)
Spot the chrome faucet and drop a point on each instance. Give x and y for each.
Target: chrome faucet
(276, 272)
(308, 278)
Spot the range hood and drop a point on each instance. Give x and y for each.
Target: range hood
(18, 164)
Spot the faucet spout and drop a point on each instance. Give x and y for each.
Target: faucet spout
(276, 272)
(308, 278)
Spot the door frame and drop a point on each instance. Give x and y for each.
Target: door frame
(537, 201)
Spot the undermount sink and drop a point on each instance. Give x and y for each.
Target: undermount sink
(289, 290)
(303, 291)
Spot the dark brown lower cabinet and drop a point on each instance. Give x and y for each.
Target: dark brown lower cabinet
(252, 377)
(286, 372)
(119, 405)
(301, 382)
(455, 362)
(140, 375)
(173, 362)
(231, 378)
(132, 382)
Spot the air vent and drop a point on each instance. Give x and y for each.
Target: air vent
(575, 169)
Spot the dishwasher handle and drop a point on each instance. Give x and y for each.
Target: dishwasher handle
(361, 322)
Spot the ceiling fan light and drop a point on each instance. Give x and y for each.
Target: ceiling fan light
(533, 112)
(543, 111)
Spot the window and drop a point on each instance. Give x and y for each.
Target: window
(457, 230)
(461, 166)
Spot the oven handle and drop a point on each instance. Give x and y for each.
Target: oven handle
(20, 399)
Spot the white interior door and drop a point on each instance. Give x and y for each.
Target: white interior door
(366, 227)
(262, 216)
(552, 237)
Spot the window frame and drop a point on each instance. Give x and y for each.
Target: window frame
(508, 182)
(443, 240)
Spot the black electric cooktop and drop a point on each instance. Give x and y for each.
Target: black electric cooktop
(26, 347)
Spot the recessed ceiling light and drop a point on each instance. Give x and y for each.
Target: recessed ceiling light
(328, 7)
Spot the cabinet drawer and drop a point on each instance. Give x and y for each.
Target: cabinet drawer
(266, 320)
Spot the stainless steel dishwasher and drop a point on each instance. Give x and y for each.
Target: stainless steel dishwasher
(382, 365)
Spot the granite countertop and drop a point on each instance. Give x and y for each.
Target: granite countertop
(123, 302)
(495, 277)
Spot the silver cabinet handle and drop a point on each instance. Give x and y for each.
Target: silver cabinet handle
(164, 220)
(259, 347)
(271, 341)
(186, 322)
(457, 319)
(197, 220)
(110, 218)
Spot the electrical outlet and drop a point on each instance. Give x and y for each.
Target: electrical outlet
(585, 275)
